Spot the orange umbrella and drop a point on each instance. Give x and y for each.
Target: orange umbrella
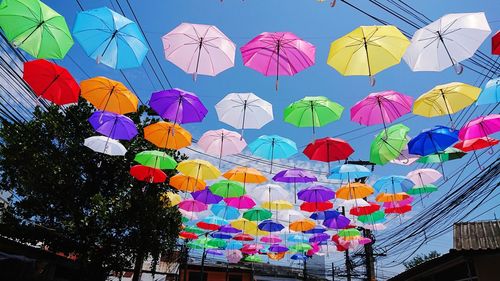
(355, 190)
(390, 197)
(167, 135)
(186, 183)
(109, 95)
(302, 225)
(276, 256)
(245, 175)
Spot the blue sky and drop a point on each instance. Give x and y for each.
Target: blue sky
(313, 21)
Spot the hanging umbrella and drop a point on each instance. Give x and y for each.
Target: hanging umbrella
(110, 38)
(225, 212)
(476, 144)
(398, 210)
(422, 177)
(419, 190)
(215, 252)
(495, 44)
(301, 247)
(171, 199)
(156, 159)
(288, 216)
(364, 210)
(228, 228)
(51, 82)
(312, 112)
(198, 169)
(277, 205)
(269, 192)
(367, 50)
(301, 225)
(212, 223)
(433, 140)
(109, 95)
(297, 238)
(393, 184)
(324, 215)
(199, 49)
(276, 256)
(242, 202)
(253, 258)
(276, 248)
(319, 237)
(355, 190)
(316, 193)
(245, 175)
(349, 234)
(382, 107)
(271, 239)
(446, 99)
(115, 126)
(405, 158)
(316, 229)
(148, 174)
(404, 202)
(295, 176)
(316, 206)
(270, 226)
(480, 127)
(206, 196)
(105, 145)
(328, 150)
(187, 235)
(446, 42)
(298, 256)
(243, 237)
(338, 222)
(272, 147)
(248, 227)
(167, 135)
(391, 197)
(348, 172)
(448, 154)
(221, 143)
(227, 188)
(233, 256)
(36, 28)
(186, 183)
(194, 229)
(192, 205)
(375, 217)
(389, 144)
(491, 92)
(178, 106)
(278, 53)
(233, 244)
(349, 204)
(257, 214)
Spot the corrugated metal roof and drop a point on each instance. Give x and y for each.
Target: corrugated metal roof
(476, 235)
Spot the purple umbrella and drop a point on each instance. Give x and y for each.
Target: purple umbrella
(338, 222)
(215, 252)
(112, 125)
(316, 193)
(178, 106)
(319, 237)
(295, 176)
(276, 248)
(206, 196)
(229, 229)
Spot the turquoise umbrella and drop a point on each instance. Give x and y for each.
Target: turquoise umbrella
(273, 147)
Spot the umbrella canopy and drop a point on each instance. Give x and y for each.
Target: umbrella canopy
(393, 184)
(178, 106)
(198, 169)
(312, 112)
(187, 235)
(419, 190)
(192, 205)
(398, 210)
(422, 177)
(355, 190)
(271, 239)
(156, 159)
(206, 196)
(323, 215)
(278, 53)
(475, 144)
(338, 222)
(302, 225)
(221, 143)
(228, 228)
(226, 212)
(36, 28)
(448, 154)
(148, 174)
(301, 257)
(375, 217)
(316, 193)
(480, 127)
(257, 214)
(273, 147)
(328, 150)
(187, 184)
(433, 140)
(301, 247)
(199, 49)
(248, 227)
(405, 158)
(276, 256)
(277, 205)
(288, 216)
(243, 237)
(253, 258)
(233, 244)
(294, 175)
(109, 95)
(367, 50)
(391, 197)
(364, 210)
(233, 256)
(349, 233)
(171, 199)
(245, 175)
(447, 41)
(276, 248)
(389, 144)
(316, 229)
(227, 188)
(212, 223)
(348, 172)
(105, 145)
(115, 126)
(491, 92)
(110, 38)
(167, 135)
(316, 206)
(270, 226)
(51, 82)
(495, 44)
(242, 202)
(319, 237)
(269, 192)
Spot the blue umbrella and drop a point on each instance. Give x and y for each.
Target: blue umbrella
(348, 172)
(215, 220)
(234, 245)
(299, 257)
(221, 235)
(393, 184)
(297, 238)
(270, 226)
(330, 214)
(432, 140)
(110, 38)
(316, 229)
(273, 147)
(490, 93)
(224, 211)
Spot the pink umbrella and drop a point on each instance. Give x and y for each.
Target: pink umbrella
(271, 239)
(314, 250)
(423, 177)
(381, 108)
(278, 53)
(251, 249)
(397, 204)
(221, 143)
(233, 256)
(191, 205)
(482, 126)
(243, 202)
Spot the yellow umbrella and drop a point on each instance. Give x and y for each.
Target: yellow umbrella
(170, 199)
(367, 50)
(277, 205)
(302, 225)
(355, 190)
(248, 227)
(186, 184)
(198, 169)
(446, 99)
(167, 135)
(109, 95)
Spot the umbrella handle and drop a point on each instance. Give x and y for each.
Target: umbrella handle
(373, 81)
(458, 68)
(332, 4)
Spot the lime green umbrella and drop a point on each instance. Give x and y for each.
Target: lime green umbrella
(301, 247)
(202, 243)
(374, 217)
(194, 229)
(253, 258)
(312, 112)
(156, 159)
(257, 214)
(349, 233)
(419, 190)
(388, 144)
(228, 189)
(36, 28)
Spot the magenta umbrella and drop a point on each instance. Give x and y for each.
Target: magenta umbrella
(278, 53)
(271, 239)
(243, 202)
(192, 205)
(480, 127)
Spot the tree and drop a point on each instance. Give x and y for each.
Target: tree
(418, 259)
(77, 201)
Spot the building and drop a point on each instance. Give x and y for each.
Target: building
(475, 256)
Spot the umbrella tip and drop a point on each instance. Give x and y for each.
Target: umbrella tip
(332, 4)
(372, 81)
(458, 68)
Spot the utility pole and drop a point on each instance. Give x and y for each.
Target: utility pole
(347, 258)
(333, 271)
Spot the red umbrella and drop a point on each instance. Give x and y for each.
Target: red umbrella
(495, 44)
(316, 206)
(243, 237)
(476, 144)
(328, 150)
(187, 235)
(207, 226)
(51, 82)
(364, 210)
(398, 210)
(148, 174)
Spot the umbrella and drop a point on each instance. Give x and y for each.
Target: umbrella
(355, 190)
(393, 184)
(233, 256)
(167, 135)
(375, 217)
(448, 154)
(422, 177)
(211, 223)
(245, 175)
(389, 144)
(495, 44)
(215, 252)
(301, 225)
(476, 144)
(324, 215)
(178, 106)
(312, 112)
(51, 82)
(276, 256)
(290, 215)
(319, 237)
(248, 227)
(243, 202)
(221, 143)
(433, 140)
(419, 190)
(110, 38)
(348, 204)
(328, 150)
(109, 95)
(398, 210)
(301, 247)
(277, 205)
(297, 238)
(192, 205)
(243, 237)
(348, 172)
(269, 192)
(225, 212)
(276, 248)
(257, 214)
(316, 206)
(156, 159)
(349, 233)
(271, 239)
(278, 53)
(206, 196)
(36, 28)
(201, 243)
(446, 42)
(270, 226)
(187, 235)
(382, 107)
(480, 127)
(364, 210)
(295, 176)
(105, 145)
(338, 222)
(194, 229)
(148, 174)
(253, 258)
(233, 244)
(404, 202)
(228, 228)
(199, 49)
(171, 199)
(198, 169)
(186, 183)
(227, 188)
(244, 111)
(367, 50)
(316, 193)
(115, 126)
(316, 229)
(405, 158)
(446, 99)
(298, 256)
(490, 94)
(273, 147)
(391, 197)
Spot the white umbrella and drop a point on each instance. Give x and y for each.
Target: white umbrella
(244, 111)
(221, 143)
(288, 216)
(446, 42)
(105, 145)
(269, 192)
(423, 177)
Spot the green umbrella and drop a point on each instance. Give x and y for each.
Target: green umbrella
(194, 229)
(257, 214)
(253, 258)
(388, 144)
(301, 247)
(312, 112)
(156, 159)
(217, 242)
(372, 218)
(349, 233)
(228, 189)
(201, 243)
(416, 190)
(184, 220)
(36, 28)
(448, 154)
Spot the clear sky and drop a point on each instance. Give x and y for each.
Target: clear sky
(311, 20)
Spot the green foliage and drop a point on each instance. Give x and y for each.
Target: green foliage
(77, 201)
(418, 259)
